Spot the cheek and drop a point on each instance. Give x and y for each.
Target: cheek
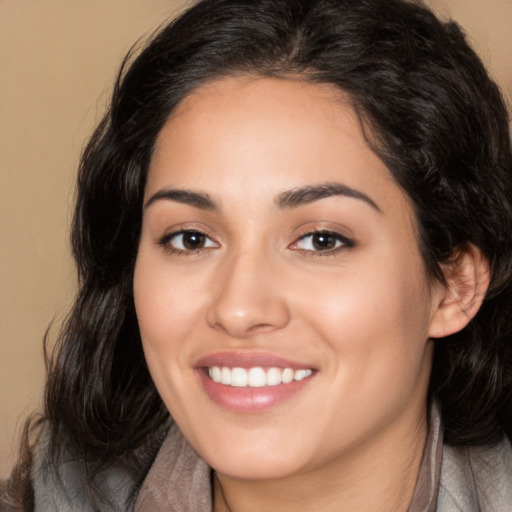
(167, 306)
(368, 297)
(375, 320)
(168, 309)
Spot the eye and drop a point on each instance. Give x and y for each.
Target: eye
(322, 241)
(187, 241)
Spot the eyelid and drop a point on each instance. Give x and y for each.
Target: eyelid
(166, 230)
(165, 240)
(346, 242)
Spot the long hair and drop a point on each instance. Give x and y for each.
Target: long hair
(436, 120)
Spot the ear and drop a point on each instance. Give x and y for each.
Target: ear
(467, 277)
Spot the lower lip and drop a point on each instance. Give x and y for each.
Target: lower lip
(248, 399)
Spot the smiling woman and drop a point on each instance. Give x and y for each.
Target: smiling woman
(285, 277)
(293, 233)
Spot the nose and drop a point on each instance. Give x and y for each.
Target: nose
(249, 297)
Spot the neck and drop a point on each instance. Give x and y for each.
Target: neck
(380, 476)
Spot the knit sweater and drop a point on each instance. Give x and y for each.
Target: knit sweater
(451, 479)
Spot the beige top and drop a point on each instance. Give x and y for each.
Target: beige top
(451, 479)
(180, 481)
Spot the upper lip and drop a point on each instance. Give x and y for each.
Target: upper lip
(249, 360)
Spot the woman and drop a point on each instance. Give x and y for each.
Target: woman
(293, 233)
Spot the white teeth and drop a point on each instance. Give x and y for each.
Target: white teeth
(302, 374)
(256, 377)
(239, 377)
(225, 377)
(288, 375)
(274, 376)
(215, 374)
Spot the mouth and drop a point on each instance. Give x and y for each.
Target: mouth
(252, 382)
(255, 377)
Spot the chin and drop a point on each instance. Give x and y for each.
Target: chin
(255, 462)
(260, 469)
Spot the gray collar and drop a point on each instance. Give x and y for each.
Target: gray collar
(180, 481)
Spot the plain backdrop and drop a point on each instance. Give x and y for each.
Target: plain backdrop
(58, 61)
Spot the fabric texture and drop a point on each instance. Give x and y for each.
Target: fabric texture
(178, 481)
(476, 479)
(451, 479)
(425, 494)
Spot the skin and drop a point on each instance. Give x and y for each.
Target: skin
(361, 315)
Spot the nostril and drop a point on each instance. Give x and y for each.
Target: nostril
(243, 325)
(262, 327)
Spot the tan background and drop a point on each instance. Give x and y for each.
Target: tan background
(58, 60)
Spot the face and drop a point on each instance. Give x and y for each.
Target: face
(281, 296)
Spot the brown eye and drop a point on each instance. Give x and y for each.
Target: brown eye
(193, 240)
(322, 241)
(187, 241)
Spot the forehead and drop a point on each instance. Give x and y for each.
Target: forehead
(266, 134)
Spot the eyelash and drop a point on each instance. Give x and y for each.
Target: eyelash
(166, 240)
(341, 242)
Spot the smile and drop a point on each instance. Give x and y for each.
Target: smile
(256, 377)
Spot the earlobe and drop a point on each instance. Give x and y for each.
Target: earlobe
(467, 277)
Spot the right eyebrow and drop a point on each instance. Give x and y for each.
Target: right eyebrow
(308, 194)
(196, 199)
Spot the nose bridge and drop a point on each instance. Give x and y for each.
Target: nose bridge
(248, 296)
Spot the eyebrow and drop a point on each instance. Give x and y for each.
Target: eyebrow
(290, 199)
(305, 195)
(197, 199)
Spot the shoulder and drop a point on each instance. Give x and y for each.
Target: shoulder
(70, 486)
(476, 478)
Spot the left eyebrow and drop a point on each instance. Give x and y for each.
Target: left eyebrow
(196, 199)
(305, 195)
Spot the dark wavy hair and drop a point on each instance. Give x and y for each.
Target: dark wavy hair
(437, 121)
